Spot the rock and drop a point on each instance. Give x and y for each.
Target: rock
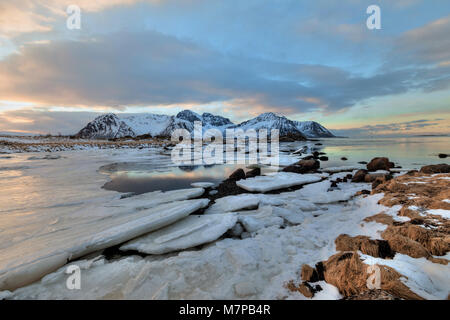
(253, 173)
(362, 162)
(374, 248)
(323, 158)
(344, 159)
(403, 244)
(437, 168)
(349, 274)
(237, 175)
(309, 274)
(306, 290)
(371, 177)
(359, 176)
(379, 164)
(303, 166)
(442, 155)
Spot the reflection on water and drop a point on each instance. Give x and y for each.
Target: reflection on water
(173, 178)
(407, 152)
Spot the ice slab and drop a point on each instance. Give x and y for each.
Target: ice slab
(275, 181)
(255, 220)
(342, 169)
(234, 203)
(202, 184)
(186, 233)
(151, 199)
(16, 271)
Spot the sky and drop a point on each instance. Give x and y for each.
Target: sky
(307, 60)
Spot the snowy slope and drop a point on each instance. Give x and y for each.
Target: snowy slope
(312, 129)
(271, 121)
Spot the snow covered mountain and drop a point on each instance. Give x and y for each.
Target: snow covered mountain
(312, 129)
(110, 125)
(269, 121)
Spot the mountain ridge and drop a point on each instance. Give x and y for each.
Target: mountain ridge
(110, 125)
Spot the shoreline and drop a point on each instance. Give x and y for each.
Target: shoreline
(277, 223)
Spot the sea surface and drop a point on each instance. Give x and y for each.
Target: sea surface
(409, 153)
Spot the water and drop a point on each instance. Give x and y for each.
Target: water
(406, 152)
(173, 178)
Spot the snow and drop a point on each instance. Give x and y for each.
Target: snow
(279, 180)
(186, 233)
(428, 280)
(440, 212)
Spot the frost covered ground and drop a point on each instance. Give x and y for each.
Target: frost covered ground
(242, 246)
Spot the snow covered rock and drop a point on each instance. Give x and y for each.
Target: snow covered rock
(279, 180)
(187, 233)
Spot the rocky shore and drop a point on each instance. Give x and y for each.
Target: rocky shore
(421, 230)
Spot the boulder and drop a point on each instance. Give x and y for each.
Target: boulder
(379, 164)
(237, 175)
(303, 166)
(309, 274)
(253, 173)
(374, 248)
(436, 168)
(359, 176)
(442, 155)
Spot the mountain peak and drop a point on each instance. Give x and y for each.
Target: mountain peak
(189, 115)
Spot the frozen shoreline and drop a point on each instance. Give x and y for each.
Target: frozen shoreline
(252, 263)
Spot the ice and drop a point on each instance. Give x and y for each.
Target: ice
(234, 203)
(186, 233)
(275, 181)
(17, 270)
(318, 192)
(151, 199)
(202, 184)
(342, 169)
(255, 220)
(223, 269)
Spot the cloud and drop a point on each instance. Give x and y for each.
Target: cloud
(43, 121)
(429, 44)
(437, 126)
(150, 68)
(24, 16)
